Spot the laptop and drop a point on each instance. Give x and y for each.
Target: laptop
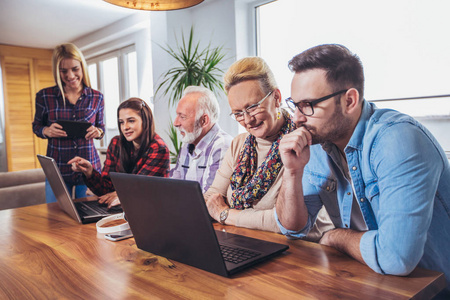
(82, 210)
(169, 218)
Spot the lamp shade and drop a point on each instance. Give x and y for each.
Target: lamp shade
(155, 4)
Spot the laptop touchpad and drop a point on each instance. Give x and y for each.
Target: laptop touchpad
(225, 237)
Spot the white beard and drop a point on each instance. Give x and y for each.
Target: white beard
(190, 137)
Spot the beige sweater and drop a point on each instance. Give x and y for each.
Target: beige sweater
(261, 215)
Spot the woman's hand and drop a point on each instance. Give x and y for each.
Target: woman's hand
(54, 131)
(111, 199)
(81, 165)
(216, 204)
(92, 133)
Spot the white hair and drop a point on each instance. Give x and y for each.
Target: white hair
(206, 104)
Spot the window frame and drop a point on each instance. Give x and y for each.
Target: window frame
(434, 119)
(124, 80)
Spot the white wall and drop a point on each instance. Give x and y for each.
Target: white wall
(213, 22)
(134, 29)
(227, 23)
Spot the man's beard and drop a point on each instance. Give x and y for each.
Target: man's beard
(335, 129)
(190, 137)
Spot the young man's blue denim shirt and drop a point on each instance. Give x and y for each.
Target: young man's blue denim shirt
(401, 177)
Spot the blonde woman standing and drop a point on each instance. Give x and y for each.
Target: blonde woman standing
(72, 98)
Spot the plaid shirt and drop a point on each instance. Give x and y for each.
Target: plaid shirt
(204, 162)
(50, 108)
(155, 162)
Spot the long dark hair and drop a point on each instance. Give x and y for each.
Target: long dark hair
(127, 161)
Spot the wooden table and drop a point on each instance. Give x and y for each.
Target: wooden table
(44, 254)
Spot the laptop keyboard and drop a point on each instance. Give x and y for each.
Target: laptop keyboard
(94, 206)
(237, 255)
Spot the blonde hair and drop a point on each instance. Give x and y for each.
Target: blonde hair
(63, 51)
(250, 68)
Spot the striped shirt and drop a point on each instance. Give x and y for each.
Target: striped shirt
(204, 162)
(155, 162)
(50, 108)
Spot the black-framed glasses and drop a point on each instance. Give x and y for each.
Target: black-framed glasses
(252, 110)
(307, 107)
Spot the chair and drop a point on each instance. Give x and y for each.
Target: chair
(22, 188)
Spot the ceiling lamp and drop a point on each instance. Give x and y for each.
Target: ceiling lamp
(155, 4)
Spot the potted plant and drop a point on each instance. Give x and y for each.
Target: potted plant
(195, 66)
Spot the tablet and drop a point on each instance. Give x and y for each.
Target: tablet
(74, 128)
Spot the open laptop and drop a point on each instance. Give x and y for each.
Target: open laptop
(82, 211)
(169, 218)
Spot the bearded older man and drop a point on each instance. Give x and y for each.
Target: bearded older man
(204, 142)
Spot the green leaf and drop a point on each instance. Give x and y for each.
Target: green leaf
(195, 66)
(173, 135)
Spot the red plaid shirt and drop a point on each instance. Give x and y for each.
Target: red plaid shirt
(50, 108)
(154, 163)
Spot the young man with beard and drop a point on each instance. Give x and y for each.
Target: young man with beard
(204, 142)
(382, 177)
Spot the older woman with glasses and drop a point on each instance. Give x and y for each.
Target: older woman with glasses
(247, 183)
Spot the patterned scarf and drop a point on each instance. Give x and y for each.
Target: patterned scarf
(250, 184)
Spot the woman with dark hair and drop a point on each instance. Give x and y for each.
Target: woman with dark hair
(137, 150)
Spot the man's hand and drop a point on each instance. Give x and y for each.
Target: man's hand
(81, 165)
(326, 239)
(294, 149)
(216, 204)
(54, 131)
(344, 240)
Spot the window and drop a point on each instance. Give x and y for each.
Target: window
(115, 75)
(401, 45)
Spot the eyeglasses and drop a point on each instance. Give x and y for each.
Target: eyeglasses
(307, 107)
(252, 110)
